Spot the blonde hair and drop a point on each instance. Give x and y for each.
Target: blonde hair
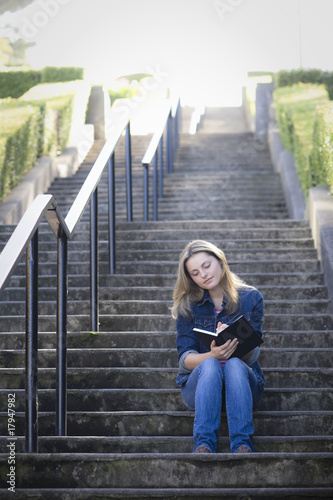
(186, 291)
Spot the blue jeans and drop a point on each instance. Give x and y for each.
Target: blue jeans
(203, 393)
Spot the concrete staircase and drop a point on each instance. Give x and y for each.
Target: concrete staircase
(129, 433)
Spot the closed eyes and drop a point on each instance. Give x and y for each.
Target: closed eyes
(205, 265)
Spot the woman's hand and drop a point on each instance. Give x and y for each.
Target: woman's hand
(221, 327)
(224, 351)
(221, 352)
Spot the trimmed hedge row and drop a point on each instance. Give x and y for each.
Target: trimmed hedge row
(122, 93)
(285, 78)
(321, 156)
(302, 124)
(37, 124)
(51, 74)
(16, 83)
(55, 102)
(19, 143)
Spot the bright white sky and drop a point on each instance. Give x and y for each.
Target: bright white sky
(205, 46)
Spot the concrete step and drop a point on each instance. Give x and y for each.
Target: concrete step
(175, 493)
(170, 267)
(163, 378)
(277, 399)
(143, 293)
(172, 423)
(156, 471)
(217, 231)
(216, 224)
(161, 339)
(174, 247)
(256, 279)
(159, 306)
(160, 322)
(137, 255)
(236, 214)
(84, 357)
(168, 444)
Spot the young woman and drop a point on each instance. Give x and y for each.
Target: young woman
(208, 295)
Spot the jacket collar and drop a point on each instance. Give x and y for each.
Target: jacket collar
(206, 298)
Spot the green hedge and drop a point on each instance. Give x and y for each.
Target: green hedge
(39, 123)
(16, 83)
(55, 101)
(321, 156)
(285, 78)
(295, 108)
(55, 124)
(53, 74)
(122, 93)
(19, 143)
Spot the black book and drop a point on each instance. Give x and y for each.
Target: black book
(241, 329)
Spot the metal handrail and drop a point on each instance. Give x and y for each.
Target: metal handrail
(25, 238)
(168, 120)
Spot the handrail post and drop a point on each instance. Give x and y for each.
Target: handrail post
(94, 305)
(129, 174)
(31, 353)
(145, 192)
(176, 127)
(169, 160)
(155, 188)
(62, 289)
(112, 214)
(160, 161)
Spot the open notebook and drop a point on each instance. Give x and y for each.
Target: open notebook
(247, 336)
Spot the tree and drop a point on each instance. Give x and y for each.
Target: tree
(18, 57)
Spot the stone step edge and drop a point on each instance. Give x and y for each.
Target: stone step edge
(231, 262)
(163, 316)
(162, 333)
(155, 287)
(296, 223)
(275, 493)
(170, 390)
(153, 350)
(165, 301)
(256, 438)
(171, 275)
(135, 369)
(221, 457)
(178, 413)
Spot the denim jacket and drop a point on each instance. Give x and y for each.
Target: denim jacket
(250, 305)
